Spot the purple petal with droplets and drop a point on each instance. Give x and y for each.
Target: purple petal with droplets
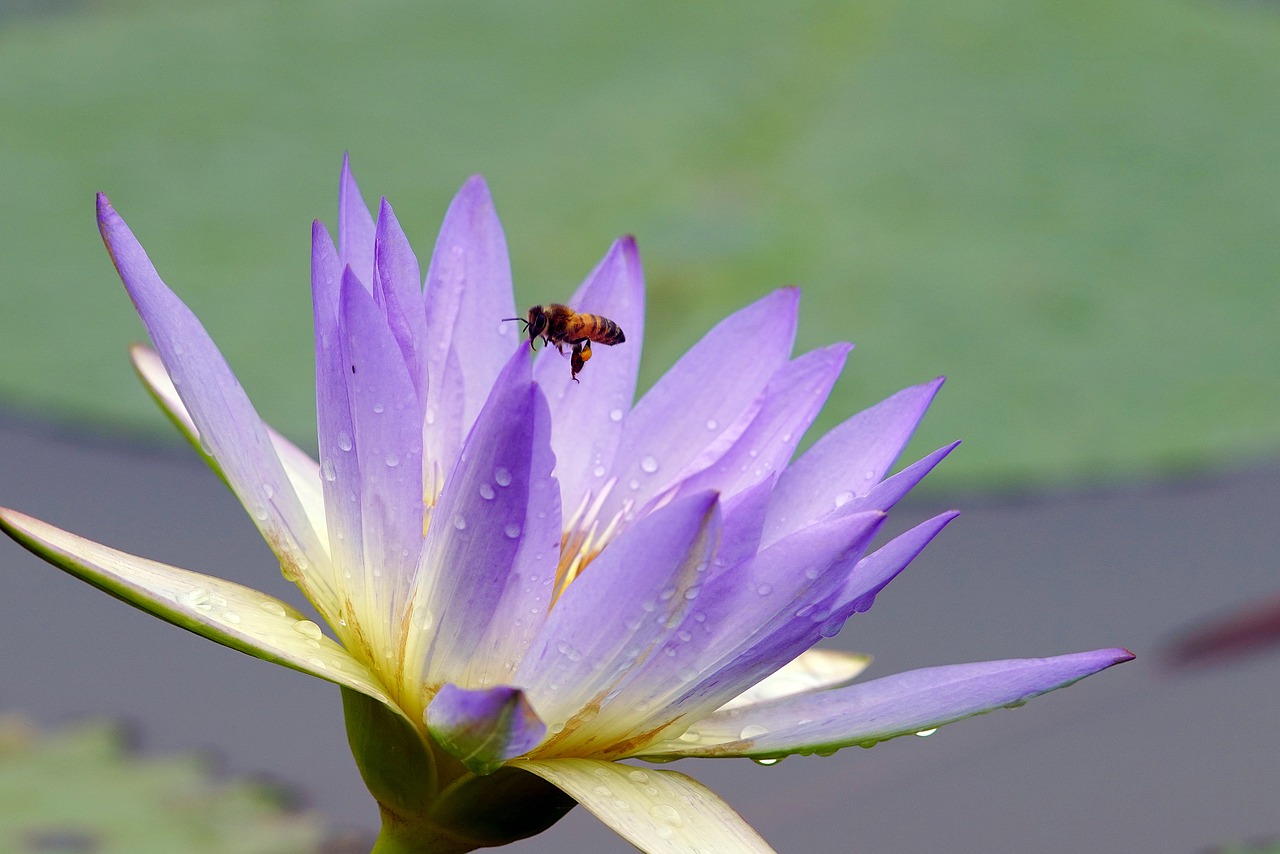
(619, 611)
(483, 729)
(750, 620)
(890, 491)
(339, 465)
(614, 289)
(397, 287)
(792, 399)
(874, 572)
(355, 227)
(869, 712)
(468, 293)
(475, 534)
(696, 411)
(221, 411)
(387, 443)
(848, 461)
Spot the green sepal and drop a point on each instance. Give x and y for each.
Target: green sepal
(501, 807)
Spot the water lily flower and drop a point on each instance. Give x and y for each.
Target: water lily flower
(525, 580)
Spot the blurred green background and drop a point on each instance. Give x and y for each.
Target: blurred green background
(1072, 209)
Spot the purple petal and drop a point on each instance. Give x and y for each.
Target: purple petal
(615, 289)
(792, 399)
(221, 411)
(747, 622)
(874, 572)
(623, 606)
(870, 712)
(700, 407)
(847, 462)
(355, 227)
(468, 293)
(744, 516)
(397, 286)
(487, 541)
(890, 491)
(340, 468)
(483, 729)
(386, 440)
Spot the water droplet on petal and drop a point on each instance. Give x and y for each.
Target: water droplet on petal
(766, 761)
(393, 460)
(615, 414)
(273, 608)
(344, 441)
(668, 814)
(638, 776)
(764, 589)
(648, 464)
(712, 424)
(327, 471)
(843, 498)
(486, 492)
(268, 491)
(232, 617)
(502, 476)
(598, 471)
(379, 408)
(633, 483)
(512, 531)
(459, 522)
(927, 732)
(308, 629)
(751, 731)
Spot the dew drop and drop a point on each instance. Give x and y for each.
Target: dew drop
(668, 814)
(927, 732)
(751, 731)
(766, 761)
(712, 424)
(486, 492)
(633, 483)
(843, 498)
(502, 476)
(232, 617)
(648, 464)
(638, 776)
(615, 414)
(260, 512)
(393, 460)
(598, 471)
(308, 629)
(274, 608)
(764, 589)
(317, 663)
(268, 491)
(344, 441)
(379, 408)
(512, 531)
(328, 471)
(459, 522)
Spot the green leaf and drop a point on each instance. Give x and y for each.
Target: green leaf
(82, 790)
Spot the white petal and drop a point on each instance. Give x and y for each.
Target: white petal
(813, 670)
(223, 611)
(659, 812)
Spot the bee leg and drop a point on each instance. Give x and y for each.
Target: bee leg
(578, 359)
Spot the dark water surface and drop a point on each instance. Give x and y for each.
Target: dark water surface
(1135, 759)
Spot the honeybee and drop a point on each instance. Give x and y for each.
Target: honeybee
(559, 325)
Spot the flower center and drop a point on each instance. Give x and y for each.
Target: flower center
(586, 533)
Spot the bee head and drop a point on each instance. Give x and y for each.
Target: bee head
(537, 323)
